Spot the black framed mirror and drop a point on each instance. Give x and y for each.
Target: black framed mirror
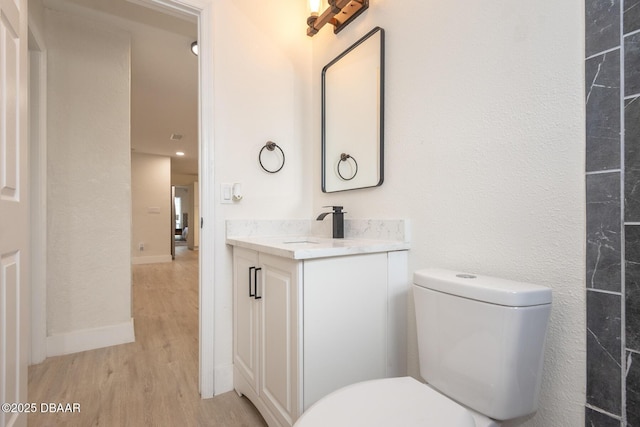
(353, 116)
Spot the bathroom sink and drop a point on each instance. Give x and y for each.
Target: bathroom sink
(327, 241)
(301, 241)
(308, 247)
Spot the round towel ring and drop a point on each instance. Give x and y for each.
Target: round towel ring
(270, 146)
(344, 157)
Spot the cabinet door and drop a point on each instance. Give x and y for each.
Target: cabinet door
(279, 339)
(345, 329)
(245, 331)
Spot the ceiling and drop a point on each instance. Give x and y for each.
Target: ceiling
(164, 76)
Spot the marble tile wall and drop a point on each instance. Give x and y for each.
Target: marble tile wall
(603, 232)
(612, 85)
(382, 229)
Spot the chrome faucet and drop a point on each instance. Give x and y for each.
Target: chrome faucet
(338, 220)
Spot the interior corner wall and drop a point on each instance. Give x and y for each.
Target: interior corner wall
(484, 154)
(262, 93)
(88, 183)
(151, 208)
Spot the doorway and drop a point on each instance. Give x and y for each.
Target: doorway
(181, 207)
(206, 322)
(203, 11)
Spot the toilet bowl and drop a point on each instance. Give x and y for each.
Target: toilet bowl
(388, 402)
(481, 343)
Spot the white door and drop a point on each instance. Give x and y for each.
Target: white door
(14, 213)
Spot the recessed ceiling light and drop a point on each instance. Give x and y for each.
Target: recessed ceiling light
(179, 153)
(194, 48)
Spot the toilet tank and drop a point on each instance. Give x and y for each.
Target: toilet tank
(481, 339)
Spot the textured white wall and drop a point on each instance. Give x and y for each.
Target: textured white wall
(262, 93)
(89, 176)
(151, 188)
(484, 153)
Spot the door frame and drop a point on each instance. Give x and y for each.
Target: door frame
(38, 177)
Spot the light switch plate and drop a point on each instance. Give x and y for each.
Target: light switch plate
(226, 193)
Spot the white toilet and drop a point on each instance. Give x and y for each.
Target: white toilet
(481, 345)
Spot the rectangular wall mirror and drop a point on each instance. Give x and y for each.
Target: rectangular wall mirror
(353, 116)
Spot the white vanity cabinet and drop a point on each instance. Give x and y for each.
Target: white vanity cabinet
(306, 327)
(267, 341)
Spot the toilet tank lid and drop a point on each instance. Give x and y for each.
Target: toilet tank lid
(488, 289)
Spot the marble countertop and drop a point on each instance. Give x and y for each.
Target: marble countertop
(309, 247)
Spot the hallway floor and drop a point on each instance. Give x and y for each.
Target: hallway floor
(152, 382)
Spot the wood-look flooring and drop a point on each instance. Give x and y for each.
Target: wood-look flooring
(152, 382)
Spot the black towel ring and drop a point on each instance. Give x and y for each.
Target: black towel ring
(270, 146)
(343, 158)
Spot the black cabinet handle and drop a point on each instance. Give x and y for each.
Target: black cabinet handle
(255, 280)
(251, 294)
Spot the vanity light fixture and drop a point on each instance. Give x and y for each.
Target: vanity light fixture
(194, 48)
(314, 6)
(339, 13)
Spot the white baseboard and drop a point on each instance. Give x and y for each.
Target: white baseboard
(90, 339)
(223, 379)
(151, 259)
